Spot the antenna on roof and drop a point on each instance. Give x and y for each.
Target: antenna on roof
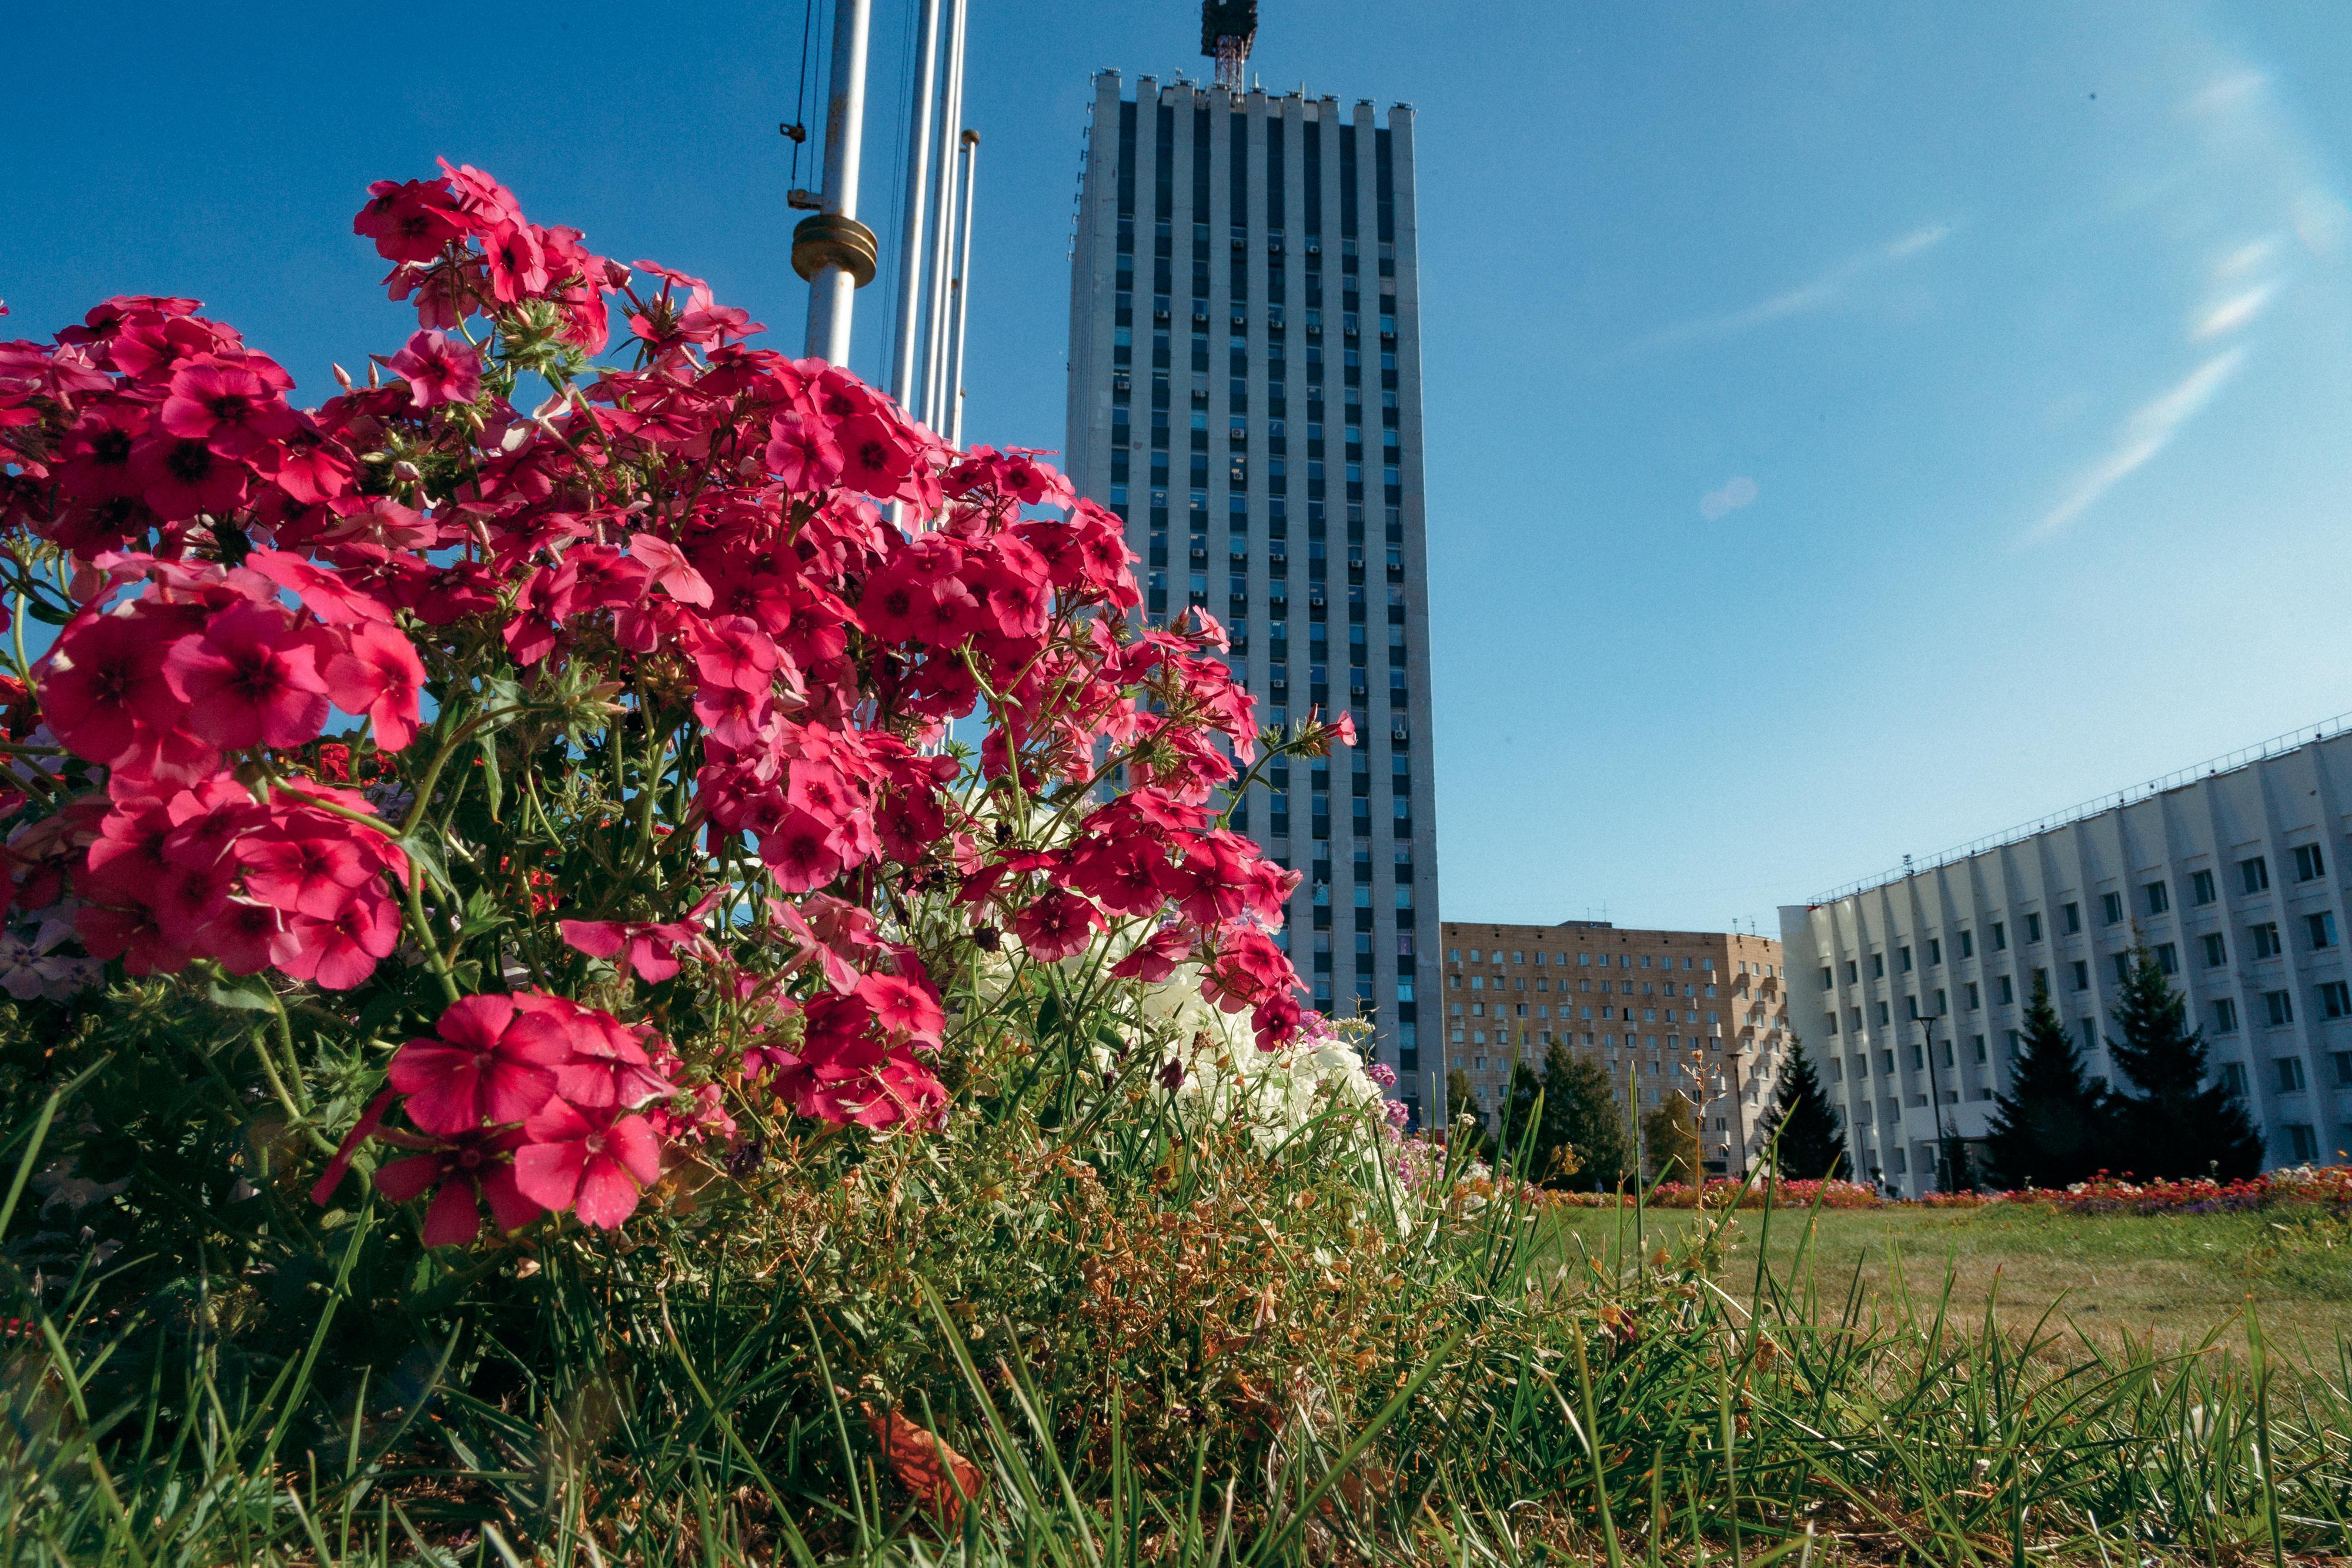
(1228, 28)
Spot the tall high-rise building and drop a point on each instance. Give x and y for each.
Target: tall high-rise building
(1245, 392)
(1911, 988)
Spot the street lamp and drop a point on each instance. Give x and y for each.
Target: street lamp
(1948, 1143)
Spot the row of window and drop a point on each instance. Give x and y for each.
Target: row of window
(2253, 875)
(1585, 960)
(1608, 1014)
(1519, 983)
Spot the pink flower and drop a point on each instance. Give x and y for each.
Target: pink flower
(229, 407)
(803, 455)
(312, 876)
(105, 679)
(593, 1163)
(1157, 958)
(609, 1064)
(906, 1010)
(249, 680)
(490, 1064)
(1057, 926)
(182, 478)
(341, 951)
(671, 569)
(437, 370)
(378, 675)
(409, 220)
(475, 1166)
(651, 947)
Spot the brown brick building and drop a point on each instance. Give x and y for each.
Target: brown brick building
(1701, 1011)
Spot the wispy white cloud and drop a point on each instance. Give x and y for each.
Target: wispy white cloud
(1817, 294)
(2148, 430)
(1735, 493)
(2231, 94)
(2226, 316)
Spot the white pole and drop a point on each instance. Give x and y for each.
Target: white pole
(944, 223)
(963, 294)
(832, 288)
(918, 180)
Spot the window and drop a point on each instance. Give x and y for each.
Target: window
(1999, 938)
(2279, 1007)
(2111, 908)
(2254, 875)
(2082, 975)
(1878, 966)
(2336, 1000)
(2303, 1144)
(2070, 917)
(2168, 959)
(2290, 1074)
(1882, 1015)
(2233, 1077)
(2033, 928)
(1935, 951)
(1829, 978)
(2307, 865)
(2159, 897)
(2002, 992)
(1903, 959)
(1968, 944)
(2217, 951)
(1971, 988)
(2266, 939)
(2225, 1016)
(2123, 968)
(1853, 972)
(2201, 887)
(2321, 929)
(2343, 1069)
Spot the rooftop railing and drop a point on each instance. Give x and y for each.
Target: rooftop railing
(2229, 762)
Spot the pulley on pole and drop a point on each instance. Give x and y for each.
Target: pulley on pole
(833, 250)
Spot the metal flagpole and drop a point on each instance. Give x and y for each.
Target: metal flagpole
(934, 399)
(910, 245)
(962, 293)
(833, 250)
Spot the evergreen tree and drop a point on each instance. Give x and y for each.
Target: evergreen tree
(1670, 1139)
(1811, 1147)
(1461, 1100)
(1580, 1115)
(2176, 1124)
(2051, 1127)
(1514, 1119)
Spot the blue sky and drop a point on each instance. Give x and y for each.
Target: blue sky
(1852, 429)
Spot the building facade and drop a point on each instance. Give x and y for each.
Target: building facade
(1702, 1012)
(1245, 390)
(1912, 990)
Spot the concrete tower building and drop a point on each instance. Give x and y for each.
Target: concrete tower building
(1909, 990)
(1245, 390)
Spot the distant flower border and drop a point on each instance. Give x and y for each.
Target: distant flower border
(2329, 1186)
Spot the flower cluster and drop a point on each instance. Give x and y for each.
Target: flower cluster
(605, 739)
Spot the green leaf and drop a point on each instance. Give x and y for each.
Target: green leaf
(249, 994)
(491, 782)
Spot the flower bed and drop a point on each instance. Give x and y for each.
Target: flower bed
(2330, 1186)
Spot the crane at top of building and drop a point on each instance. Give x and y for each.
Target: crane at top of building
(1228, 28)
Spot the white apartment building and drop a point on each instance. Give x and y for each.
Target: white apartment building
(1245, 390)
(1910, 989)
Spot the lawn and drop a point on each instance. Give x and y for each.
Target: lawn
(2177, 1276)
